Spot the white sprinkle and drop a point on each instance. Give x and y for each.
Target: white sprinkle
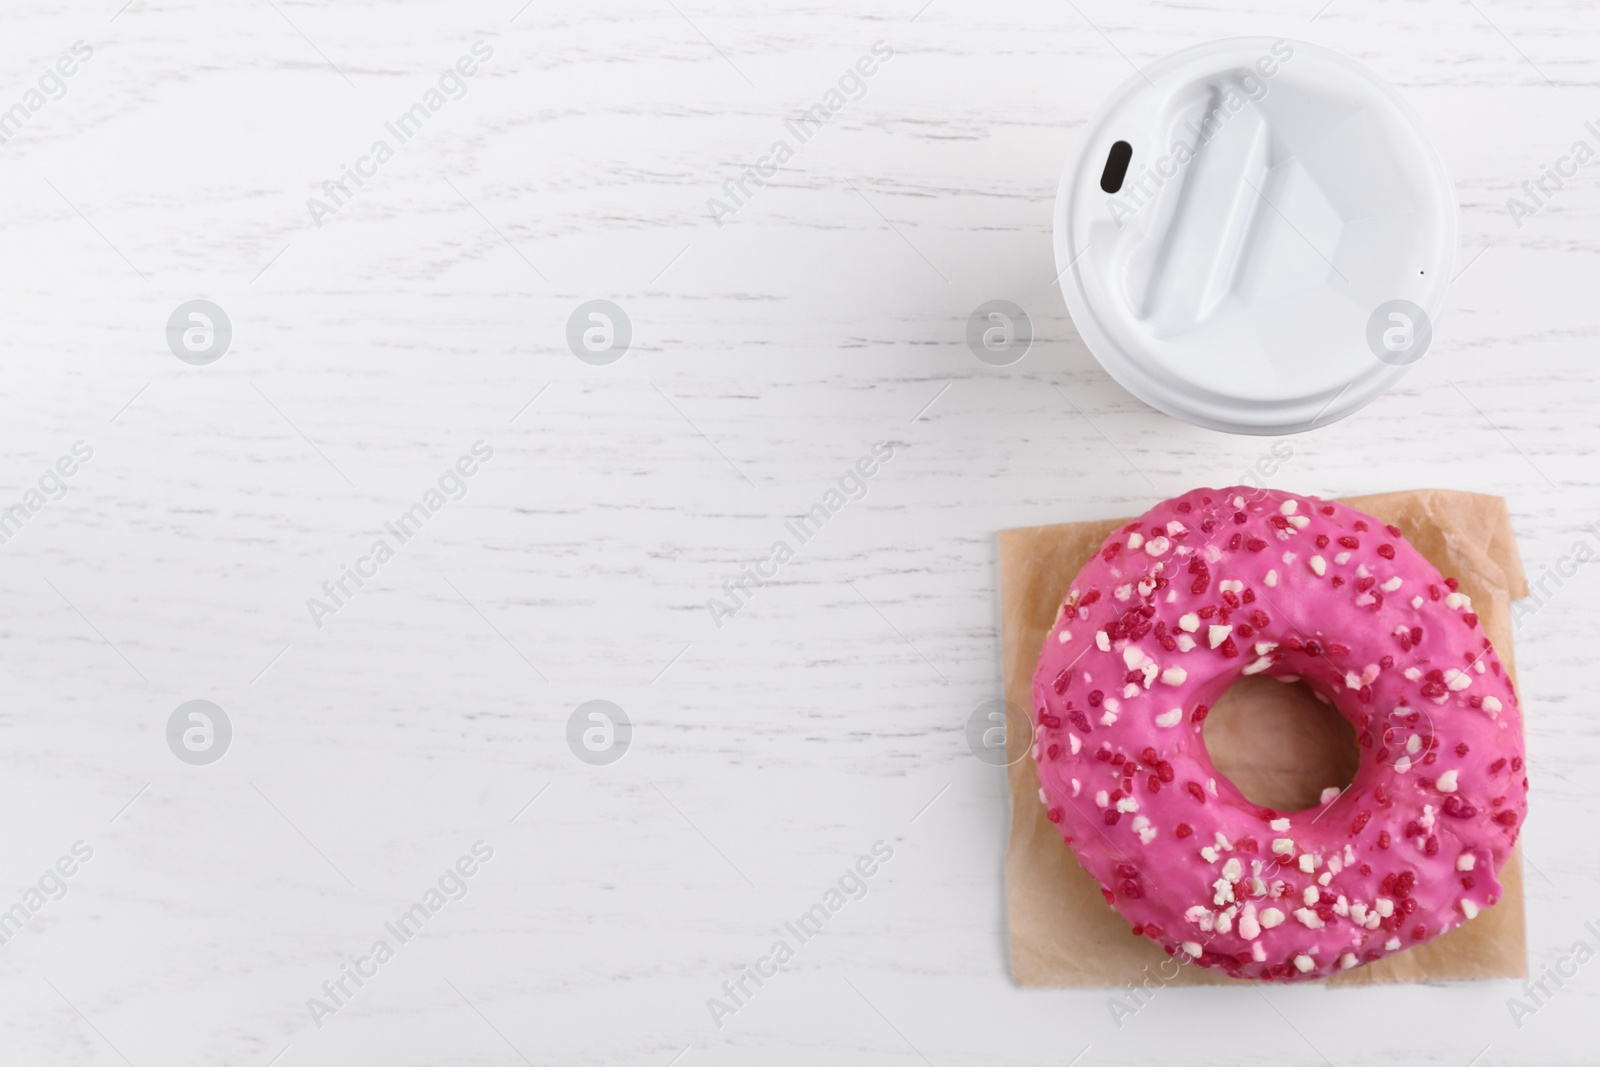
(1128, 804)
(1130, 690)
(1492, 706)
(1342, 558)
(1157, 546)
(1457, 601)
(1175, 528)
(1200, 916)
(1208, 854)
(1077, 787)
(1303, 962)
(1189, 622)
(1218, 634)
(1402, 765)
(1102, 798)
(1289, 507)
(1469, 909)
(1225, 921)
(1319, 566)
(1412, 674)
(1288, 558)
(1169, 719)
(1101, 641)
(1300, 521)
(1383, 906)
(1358, 913)
(1310, 895)
(1042, 798)
(1272, 579)
(1263, 647)
(1238, 501)
(1258, 952)
(1192, 947)
(1413, 744)
(1393, 944)
(1417, 602)
(1233, 870)
(1134, 657)
(1072, 740)
(1135, 541)
(1457, 680)
(1230, 586)
(1142, 827)
(1270, 917)
(1308, 918)
(1174, 676)
(1259, 665)
(1279, 824)
(1064, 636)
(1185, 643)
(1283, 846)
(1446, 782)
(1222, 891)
(1466, 861)
(1392, 584)
(1329, 794)
(1347, 961)
(1249, 928)
(1308, 862)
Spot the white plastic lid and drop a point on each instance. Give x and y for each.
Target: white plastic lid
(1279, 246)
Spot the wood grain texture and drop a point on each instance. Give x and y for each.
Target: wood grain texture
(768, 355)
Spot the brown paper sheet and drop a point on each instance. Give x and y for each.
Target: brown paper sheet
(1062, 931)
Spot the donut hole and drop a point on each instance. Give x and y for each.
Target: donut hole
(1279, 744)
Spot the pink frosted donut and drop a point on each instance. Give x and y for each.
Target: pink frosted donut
(1222, 583)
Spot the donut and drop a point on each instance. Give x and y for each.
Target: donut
(1219, 584)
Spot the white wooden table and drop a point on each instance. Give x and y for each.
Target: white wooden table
(429, 710)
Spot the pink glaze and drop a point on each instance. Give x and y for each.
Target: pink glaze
(1221, 583)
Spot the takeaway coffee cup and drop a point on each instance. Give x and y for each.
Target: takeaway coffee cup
(1257, 235)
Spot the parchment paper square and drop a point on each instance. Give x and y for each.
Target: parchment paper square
(1062, 931)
